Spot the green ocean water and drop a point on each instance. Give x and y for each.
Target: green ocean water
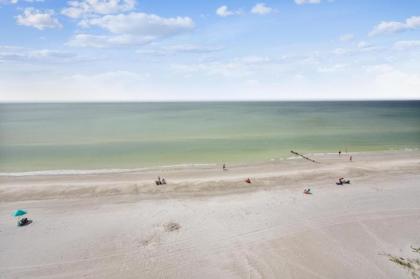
(87, 136)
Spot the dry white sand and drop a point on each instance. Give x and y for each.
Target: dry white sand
(207, 223)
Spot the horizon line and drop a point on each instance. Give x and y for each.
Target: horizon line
(202, 101)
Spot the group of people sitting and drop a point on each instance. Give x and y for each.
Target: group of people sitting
(342, 181)
(160, 181)
(23, 222)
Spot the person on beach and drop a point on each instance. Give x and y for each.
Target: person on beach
(248, 181)
(163, 181)
(342, 181)
(351, 158)
(158, 181)
(339, 153)
(23, 222)
(224, 167)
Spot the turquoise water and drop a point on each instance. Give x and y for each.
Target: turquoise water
(133, 135)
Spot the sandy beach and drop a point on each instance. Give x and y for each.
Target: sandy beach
(208, 223)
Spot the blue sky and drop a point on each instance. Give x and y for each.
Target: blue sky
(122, 50)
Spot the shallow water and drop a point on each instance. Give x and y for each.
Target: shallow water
(134, 135)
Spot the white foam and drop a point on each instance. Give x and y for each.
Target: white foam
(67, 172)
(98, 171)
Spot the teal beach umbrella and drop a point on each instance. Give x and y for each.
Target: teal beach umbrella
(19, 212)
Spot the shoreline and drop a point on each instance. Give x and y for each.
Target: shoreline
(117, 170)
(210, 180)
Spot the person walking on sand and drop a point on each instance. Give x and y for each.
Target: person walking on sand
(224, 167)
(339, 153)
(351, 158)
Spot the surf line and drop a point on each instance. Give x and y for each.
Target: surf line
(304, 157)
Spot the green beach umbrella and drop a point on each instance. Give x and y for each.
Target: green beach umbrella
(19, 212)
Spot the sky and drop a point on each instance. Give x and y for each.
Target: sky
(175, 50)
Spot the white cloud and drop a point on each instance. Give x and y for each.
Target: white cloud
(224, 11)
(379, 69)
(332, 68)
(390, 80)
(253, 60)
(118, 79)
(215, 69)
(131, 29)
(403, 45)
(340, 51)
(365, 46)
(38, 19)
(16, 1)
(361, 47)
(78, 9)
(20, 54)
(246, 66)
(301, 2)
(261, 9)
(395, 26)
(99, 86)
(103, 41)
(346, 37)
(8, 1)
(172, 49)
(141, 24)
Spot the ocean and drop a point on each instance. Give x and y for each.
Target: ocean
(108, 136)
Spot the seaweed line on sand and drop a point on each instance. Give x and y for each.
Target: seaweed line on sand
(410, 264)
